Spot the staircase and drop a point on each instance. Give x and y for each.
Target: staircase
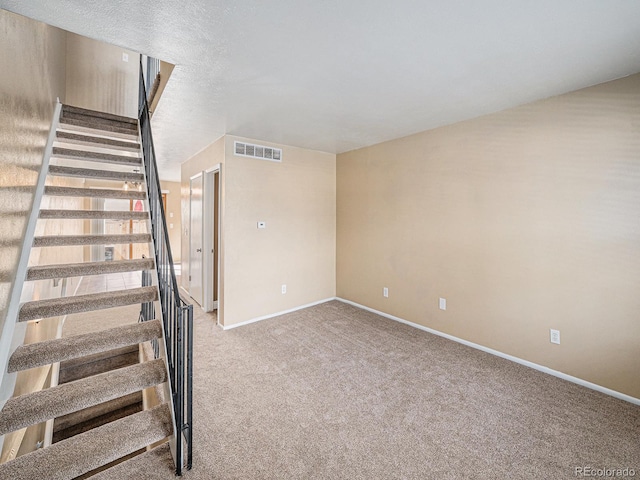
(96, 403)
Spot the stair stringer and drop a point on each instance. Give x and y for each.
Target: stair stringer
(166, 386)
(13, 332)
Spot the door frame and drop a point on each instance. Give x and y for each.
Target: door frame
(199, 174)
(210, 205)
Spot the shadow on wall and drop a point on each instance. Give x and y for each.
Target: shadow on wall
(36, 53)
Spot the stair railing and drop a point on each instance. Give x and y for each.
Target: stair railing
(177, 314)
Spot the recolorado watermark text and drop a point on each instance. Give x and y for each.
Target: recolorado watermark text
(593, 472)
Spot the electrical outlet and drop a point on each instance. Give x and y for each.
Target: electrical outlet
(442, 303)
(284, 289)
(262, 224)
(554, 336)
(385, 292)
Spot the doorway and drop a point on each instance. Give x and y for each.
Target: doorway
(195, 238)
(211, 225)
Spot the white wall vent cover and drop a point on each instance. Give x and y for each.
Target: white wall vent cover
(242, 149)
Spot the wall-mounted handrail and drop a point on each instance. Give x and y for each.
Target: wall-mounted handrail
(177, 315)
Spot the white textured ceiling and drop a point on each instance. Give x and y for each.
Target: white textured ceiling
(335, 75)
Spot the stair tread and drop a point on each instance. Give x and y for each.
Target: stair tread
(93, 214)
(62, 240)
(100, 142)
(94, 192)
(86, 414)
(97, 125)
(59, 152)
(61, 171)
(40, 406)
(95, 448)
(80, 346)
(156, 463)
(44, 272)
(84, 303)
(94, 113)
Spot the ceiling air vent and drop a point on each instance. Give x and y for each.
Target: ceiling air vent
(257, 151)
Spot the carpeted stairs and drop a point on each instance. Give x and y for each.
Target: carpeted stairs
(97, 379)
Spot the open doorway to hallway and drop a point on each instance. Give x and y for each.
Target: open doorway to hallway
(204, 238)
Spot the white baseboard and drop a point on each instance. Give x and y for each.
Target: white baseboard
(526, 363)
(265, 317)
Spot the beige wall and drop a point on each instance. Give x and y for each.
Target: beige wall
(296, 199)
(98, 79)
(524, 220)
(33, 60)
(173, 208)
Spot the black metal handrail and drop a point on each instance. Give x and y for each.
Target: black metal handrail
(177, 315)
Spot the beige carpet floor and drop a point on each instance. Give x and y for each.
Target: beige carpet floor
(334, 392)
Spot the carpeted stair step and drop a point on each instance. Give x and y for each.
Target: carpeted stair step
(67, 240)
(94, 192)
(98, 412)
(45, 272)
(80, 346)
(93, 214)
(83, 303)
(84, 124)
(157, 460)
(71, 154)
(83, 367)
(90, 450)
(103, 120)
(99, 142)
(68, 110)
(59, 171)
(90, 128)
(40, 406)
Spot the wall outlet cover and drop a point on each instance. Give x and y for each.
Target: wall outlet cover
(554, 336)
(442, 303)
